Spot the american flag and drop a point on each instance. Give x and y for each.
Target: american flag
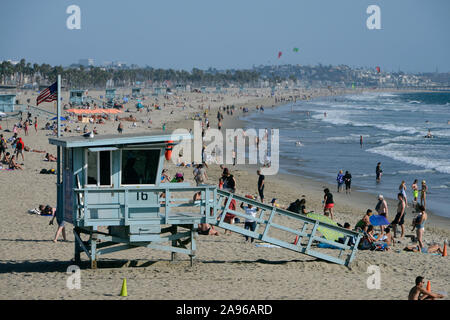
(48, 95)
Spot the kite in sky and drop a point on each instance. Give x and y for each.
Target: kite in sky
(279, 54)
(295, 49)
(378, 69)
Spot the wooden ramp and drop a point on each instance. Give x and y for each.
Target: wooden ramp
(289, 230)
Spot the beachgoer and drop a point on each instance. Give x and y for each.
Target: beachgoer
(19, 148)
(207, 230)
(249, 222)
(434, 248)
(230, 217)
(378, 172)
(50, 157)
(35, 124)
(13, 164)
(328, 203)
(364, 223)
(3, 145)
(165, 176)
(418, 292)
(60, 221)
(423, 194)
(348, 182)
(340, 180)
(200, 175)
(400, 217)
(419, 225)
(361, 141)
(415, 189)
(261, 181)
(233, 156)
(229, 183)
(120, 127)
(402, 190)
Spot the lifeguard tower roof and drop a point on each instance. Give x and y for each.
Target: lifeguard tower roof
(114, 139)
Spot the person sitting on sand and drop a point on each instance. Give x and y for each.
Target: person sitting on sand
(364, 223)
(418, 292)
(6, 158)
(207, 230)
(50, 157)
(13, 164)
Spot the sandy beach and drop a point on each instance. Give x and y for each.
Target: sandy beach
(33, 267)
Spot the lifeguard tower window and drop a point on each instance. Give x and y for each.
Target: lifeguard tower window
(99, 168)
(139, 166)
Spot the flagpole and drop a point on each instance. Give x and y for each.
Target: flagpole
(58, 105)
(58, 148)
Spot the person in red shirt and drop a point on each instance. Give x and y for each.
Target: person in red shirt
(229, 217)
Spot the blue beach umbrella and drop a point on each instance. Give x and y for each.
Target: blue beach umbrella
(378, 220)
(60, 118)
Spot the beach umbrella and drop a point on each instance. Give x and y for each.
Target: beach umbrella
(2, 114)
(378, 220)
(60, 118)
(329, 234)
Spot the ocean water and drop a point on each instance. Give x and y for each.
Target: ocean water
(393, 126)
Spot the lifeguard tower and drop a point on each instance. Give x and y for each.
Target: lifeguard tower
(180, 88)
(77, 97)
(136, 92)
(7, 102)
(110, 95)
(111, 191)
(157, 91)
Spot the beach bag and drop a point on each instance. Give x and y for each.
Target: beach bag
(365, 244)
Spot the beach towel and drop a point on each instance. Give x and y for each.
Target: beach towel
(326, 246)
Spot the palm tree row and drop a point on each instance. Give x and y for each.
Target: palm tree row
(23, 72)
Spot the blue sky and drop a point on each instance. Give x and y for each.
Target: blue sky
(230, 34)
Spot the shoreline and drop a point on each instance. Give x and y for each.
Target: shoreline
(434, 220)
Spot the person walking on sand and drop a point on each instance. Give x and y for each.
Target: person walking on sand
(328, 202)
(378, 172)
(340, 181)
(61, 223)
(261, 180)
(418, 292)
(19, 148)
(419, 225)
(400, 217)
(35, 124)
(120, 127)
(348, 182)
(423, 194)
